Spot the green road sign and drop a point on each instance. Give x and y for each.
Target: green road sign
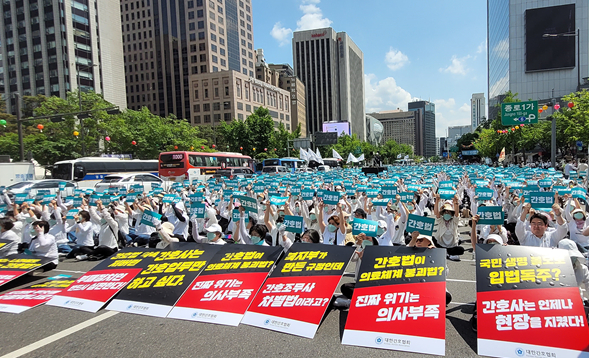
(519, 112)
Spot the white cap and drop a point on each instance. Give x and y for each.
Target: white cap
(214, 228)
(383, 224)
(570, 245)
(168, 227)
(495, 237)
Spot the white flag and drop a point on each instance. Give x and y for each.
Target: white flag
(336, 154)
(351, 158)
(361, 157)
(311, 155)
(303, 154)
(406, 157)
(399, 156)
(318, 156)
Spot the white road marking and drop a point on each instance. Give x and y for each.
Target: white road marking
(452, 303)
(45, 341)
(455, 280)
(69, 271)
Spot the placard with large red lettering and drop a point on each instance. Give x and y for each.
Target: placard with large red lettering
(295, 296)
(15, 266)
(155, 290)
(18, 301)
(224, 290)
(528, 303)
(399, 301)
(96, 287)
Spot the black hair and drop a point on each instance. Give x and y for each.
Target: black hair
(313, 235)
(539, 216)
(85, 215)
(6, 223)
(44, 224)
(253, 221)
(260, 229)
(360, 212)
(280, 219)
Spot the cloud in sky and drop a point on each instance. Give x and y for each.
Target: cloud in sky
(396, 59)
(384, 95)
(448, 115)
(312, 18)
(457, 65)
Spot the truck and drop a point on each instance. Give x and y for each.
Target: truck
(12, 173)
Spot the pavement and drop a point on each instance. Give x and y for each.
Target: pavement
(47, 331)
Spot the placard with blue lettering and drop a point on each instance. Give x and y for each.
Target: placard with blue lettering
(149, 217)
(20, 198)
(307, 194)
(367, 227)
(380, 202)
(423, 225)
(278, 200)
(490, 215)
(406, 197)
(389, 191)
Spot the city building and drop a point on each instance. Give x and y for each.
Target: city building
(226, 95)
(50, 46)
(427, 126)
(169, 44)
(477, 110)
(443, 146)
(536, 48)
(331, 67)
(404, 127)
(455, 132)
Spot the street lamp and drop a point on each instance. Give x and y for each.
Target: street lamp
(78, 66)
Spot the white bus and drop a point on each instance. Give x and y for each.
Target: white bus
(90, 170)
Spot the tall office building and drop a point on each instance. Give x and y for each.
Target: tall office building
(331, 67)
(427, 128)
(477, 110)
(288, 81)
(455, 132)
(533, 49)
(45, 44)
(405, 127)
(168, 44)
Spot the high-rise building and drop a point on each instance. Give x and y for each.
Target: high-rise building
(168, 44)
(443, 146)
(289, 82)
(533, 49)
(48, 47)
(331, 67)
(428, 125)
(477, 110)
(455, 132)
(405, 127)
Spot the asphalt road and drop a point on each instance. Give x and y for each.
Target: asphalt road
(57, 332)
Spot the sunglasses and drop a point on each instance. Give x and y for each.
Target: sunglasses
(419, 240)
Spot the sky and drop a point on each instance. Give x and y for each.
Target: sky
(418, 49)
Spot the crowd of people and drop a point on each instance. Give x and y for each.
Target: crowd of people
(93, 230)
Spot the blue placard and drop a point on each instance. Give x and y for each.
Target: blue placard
(249, 204)
(389, 191)
(424, 225)
(367, 227)
(307, 194)
(20, 198)
(446, 194)
(541, 200)
(331, 197)
(169, 198)
(131, 197)
(406, 197)
(490, 215)
(380, 202)
(72, 213)
(578, 193)
(484, 193)
(198, 210)
(62, 185)
(148, 218)
(278, 200)
(293, 223)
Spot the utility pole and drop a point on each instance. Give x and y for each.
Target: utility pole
(19, 126)
(553, 139)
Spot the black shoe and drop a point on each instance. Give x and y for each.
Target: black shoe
(448, 298)
(473, 322)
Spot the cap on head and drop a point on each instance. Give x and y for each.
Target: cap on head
(214, 228)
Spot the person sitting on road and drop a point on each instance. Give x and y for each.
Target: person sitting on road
(43, 244)
(446, 224)
(538, 235)
(214, 235)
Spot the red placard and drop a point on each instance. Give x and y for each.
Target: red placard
(7, 276)
(21, 300)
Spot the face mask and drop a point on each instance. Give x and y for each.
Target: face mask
(447, 217)
(281, 214)
(410, 207)
(279, 225)
(32, 232)
(354, 201)
(380, 231)
(331, 228)
(326, 209)
(578, 216)
(211, 236)
(313, 217)
(256, 240)
(263, 207)
(297, 210)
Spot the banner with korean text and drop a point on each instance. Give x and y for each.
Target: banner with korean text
(295, 296)
(15, 266)
(21, 300)
(155, 290)
(528, 303)
(399, 300)
(96, 287)
(224, 290)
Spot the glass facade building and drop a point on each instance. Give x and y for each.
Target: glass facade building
(46, 44)
(497, 52)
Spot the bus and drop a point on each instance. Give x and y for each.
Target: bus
(180, 166)
(290, 162)
(90, 170)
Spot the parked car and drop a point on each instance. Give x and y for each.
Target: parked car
(304, 170)
(275, 170)
(126, 180)
(323, 168)
(33, 186)
(234, 173)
